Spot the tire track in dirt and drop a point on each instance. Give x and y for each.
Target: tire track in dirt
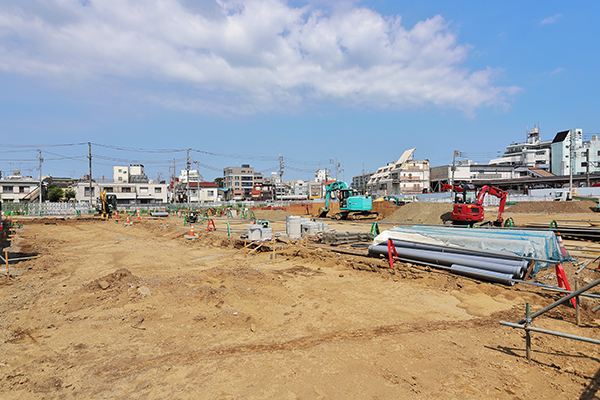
(301, 343)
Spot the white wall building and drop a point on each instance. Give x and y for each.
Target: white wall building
(19, 189)
(127, 193)
(194, 175)
(405, 176)
(203, 192)
(120, 174)
(322, 175)
(563, 143)
(532, 153)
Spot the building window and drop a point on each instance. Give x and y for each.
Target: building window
(86, 191)
(109, 189)
(22, 189)
(157, 190)
(120, 179)
(210, 192)
(7, 189)
(125, 190)
(143, 190)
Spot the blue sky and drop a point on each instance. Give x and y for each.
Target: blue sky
(242, 81)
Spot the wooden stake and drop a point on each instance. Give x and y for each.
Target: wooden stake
(273, 255)
(6, 259)
(527, 333)
(577, 307)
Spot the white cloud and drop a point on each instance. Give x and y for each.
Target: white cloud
(551, 20)
(246, 56)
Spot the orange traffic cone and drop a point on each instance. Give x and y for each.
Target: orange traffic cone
(117, 213)
(128, 223)
(561, 245)
(138, 215)
(192, 235)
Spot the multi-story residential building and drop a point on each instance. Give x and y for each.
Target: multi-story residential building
(405, 176)
(203, 192)
(132, 174)
(570, 154)
(322, 175)
(121, 174)
(532, 153)
(193, 174)
(467, 172)
(127, 193)
(553, 155)
(239, 182)
(359, 182)
(589, 161)
(280, 188)
(299, 188)
(17, 188)
(315, 190)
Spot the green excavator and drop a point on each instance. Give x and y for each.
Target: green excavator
(351, 207)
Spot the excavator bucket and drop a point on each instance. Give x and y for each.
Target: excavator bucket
(322, 212)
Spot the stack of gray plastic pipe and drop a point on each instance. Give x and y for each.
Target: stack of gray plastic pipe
(497, 267)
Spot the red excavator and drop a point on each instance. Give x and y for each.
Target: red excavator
(468, 204)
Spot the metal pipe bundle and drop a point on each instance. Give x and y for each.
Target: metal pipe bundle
(159, 214)
(505, 255)
(512, 268)
(482, 274)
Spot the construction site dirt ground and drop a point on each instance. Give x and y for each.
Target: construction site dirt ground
(139, 312)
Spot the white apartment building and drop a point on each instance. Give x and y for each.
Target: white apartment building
(127, 193)
(405, 176)
(17, 188)
(532, 153)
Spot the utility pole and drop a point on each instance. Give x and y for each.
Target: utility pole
(587, 166)
(90, 158)
(198, 182)
(572, 159)
(364, 188)
(40, 194)
(281, 166)
(187, 170)
(331, 161)
(456, 153)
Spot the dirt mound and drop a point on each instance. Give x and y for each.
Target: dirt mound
(271, 215)
(121, 278)
(421, 213)
(552, 207)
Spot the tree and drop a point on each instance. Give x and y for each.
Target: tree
(55, 193)
(219, 182)
(69, 194)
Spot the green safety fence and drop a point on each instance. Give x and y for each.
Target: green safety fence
(375, 229)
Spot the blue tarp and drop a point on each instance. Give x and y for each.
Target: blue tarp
(528, 243)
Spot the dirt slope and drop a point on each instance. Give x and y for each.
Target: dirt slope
(552, 207)
(421, 213)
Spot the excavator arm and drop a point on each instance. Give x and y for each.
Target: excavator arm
(494, 191)
(457, 188)
(332, 187)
